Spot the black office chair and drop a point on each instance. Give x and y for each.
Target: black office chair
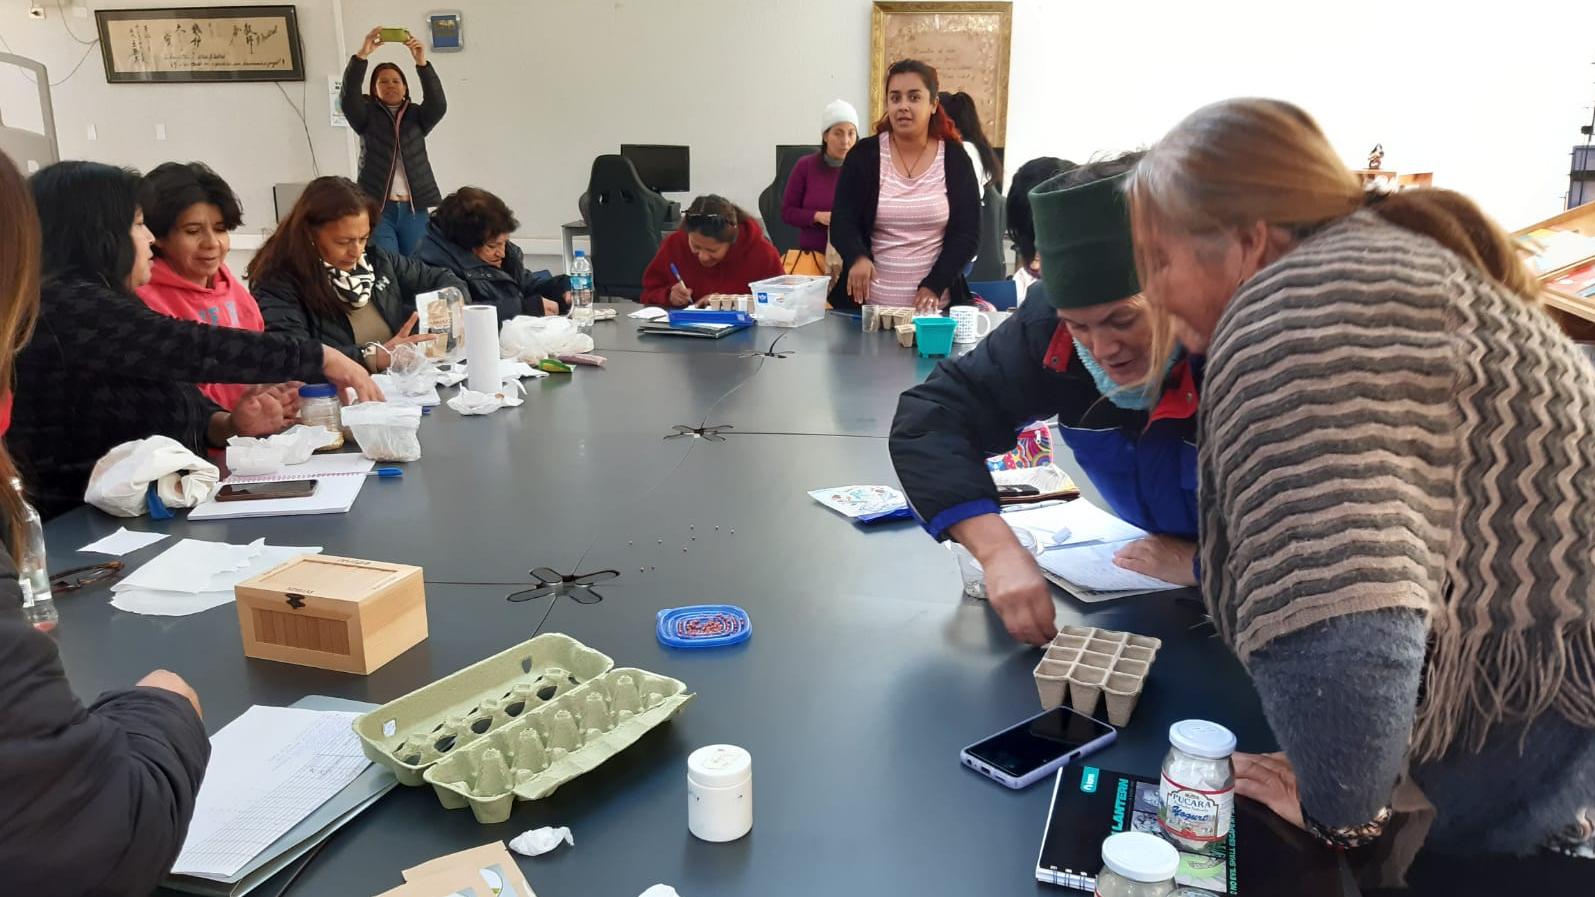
(783, 235)
(990, 261)
(626, 220)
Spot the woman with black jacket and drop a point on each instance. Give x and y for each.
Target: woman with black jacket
(907, 215)
(470, 236)
(103, 368)
(317, 278)
(394, 167)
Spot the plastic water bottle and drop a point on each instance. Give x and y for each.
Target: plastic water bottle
(581, 291)
(38, 605)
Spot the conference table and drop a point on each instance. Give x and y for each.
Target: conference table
(866, 673)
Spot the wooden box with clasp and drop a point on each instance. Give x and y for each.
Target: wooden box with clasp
(334, 613)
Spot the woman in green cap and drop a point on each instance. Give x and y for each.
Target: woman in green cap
(1082, 356)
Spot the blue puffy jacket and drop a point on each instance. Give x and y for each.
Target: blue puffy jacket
(972, 407)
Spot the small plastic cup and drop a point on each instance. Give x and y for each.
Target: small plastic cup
(969, 569)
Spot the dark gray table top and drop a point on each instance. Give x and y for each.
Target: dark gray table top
(866, 673)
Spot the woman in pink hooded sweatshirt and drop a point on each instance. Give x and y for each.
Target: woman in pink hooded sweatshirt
(192, 212)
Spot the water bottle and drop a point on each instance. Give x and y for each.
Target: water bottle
(38, 605)
(581, 291)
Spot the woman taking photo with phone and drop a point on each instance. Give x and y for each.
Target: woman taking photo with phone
(394, 168)
(907, 216)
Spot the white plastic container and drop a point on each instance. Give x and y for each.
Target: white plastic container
(790, 300)
(1135, 864)
(720, 792)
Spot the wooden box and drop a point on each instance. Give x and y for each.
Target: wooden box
(1575, 313)
(334, 613)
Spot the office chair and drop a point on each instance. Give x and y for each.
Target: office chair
(626, 218)
(783, 235)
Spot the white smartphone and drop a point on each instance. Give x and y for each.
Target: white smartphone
(1034, 749)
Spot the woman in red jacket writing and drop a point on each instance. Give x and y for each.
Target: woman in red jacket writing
(719, 248)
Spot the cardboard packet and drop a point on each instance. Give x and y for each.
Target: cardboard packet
(490, 869)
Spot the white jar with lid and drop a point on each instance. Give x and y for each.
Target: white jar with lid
(1197, 791)
(1135, 864)
(720, 792)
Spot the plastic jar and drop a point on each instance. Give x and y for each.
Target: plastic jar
(720, 792)
(319, 407)
(969, 569)
(1197, 790)
(1135, 864)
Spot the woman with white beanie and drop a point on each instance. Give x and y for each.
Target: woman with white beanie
(811, 189)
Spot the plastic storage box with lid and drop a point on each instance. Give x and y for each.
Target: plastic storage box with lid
(334, 613)
(790, 300)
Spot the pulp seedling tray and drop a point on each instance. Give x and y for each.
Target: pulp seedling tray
(556, 742)
(1086, 662)
(411, 733)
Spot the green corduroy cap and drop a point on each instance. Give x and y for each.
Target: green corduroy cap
(1083, 239)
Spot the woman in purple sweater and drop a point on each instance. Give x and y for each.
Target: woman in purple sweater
(811, 189)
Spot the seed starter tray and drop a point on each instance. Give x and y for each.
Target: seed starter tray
(411, 733)
(1087, 662)
(550, 745)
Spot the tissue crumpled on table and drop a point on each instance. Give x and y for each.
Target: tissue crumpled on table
(469, 401)
(248, 457)
(533, 339)
(539, 841)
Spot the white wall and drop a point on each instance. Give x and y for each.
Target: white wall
(1489, 100)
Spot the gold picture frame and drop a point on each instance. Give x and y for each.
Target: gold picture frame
(968, 43)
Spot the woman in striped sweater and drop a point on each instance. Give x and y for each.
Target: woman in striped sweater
(1397, 488)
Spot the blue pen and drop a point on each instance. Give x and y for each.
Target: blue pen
(386, 472)
(677, 271)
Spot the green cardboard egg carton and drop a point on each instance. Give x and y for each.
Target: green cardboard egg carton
(411, 733)
(556, 742)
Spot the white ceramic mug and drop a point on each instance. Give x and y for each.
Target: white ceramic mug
(972, 325)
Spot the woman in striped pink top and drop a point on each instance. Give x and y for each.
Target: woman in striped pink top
(907, 216)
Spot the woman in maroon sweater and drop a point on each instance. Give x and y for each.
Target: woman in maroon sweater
(811, 189)
(719, 248)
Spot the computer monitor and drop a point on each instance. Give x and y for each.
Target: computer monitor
(664, 169)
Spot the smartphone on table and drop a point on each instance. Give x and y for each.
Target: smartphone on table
(260, 491)
(394, 35)
(1024, 754)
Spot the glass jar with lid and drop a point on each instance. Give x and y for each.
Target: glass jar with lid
(1135, 864)
(1197, 791)
(319, 407)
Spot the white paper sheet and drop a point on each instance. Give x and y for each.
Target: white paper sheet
(339, 479)
(1091, 565)
(319, 466)
(269, 769)
(651, 313)
(425, 400)
(1073, 523)
(194, 576)
(123, 541)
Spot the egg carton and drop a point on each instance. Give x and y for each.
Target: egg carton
(547, 747)
(1086, 663)
(411, 733)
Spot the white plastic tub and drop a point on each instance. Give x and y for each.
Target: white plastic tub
(790, 300)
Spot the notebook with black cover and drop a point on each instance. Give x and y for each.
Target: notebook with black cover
(1263, 855)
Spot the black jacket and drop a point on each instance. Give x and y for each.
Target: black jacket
(510, 288)
(399, 279)
(103, 369)
(380, 130)
(858, 190)
(1143, 463)
(92, 801)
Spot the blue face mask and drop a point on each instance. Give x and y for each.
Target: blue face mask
(1128, 397)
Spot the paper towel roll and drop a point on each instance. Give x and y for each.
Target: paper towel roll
(481, 348)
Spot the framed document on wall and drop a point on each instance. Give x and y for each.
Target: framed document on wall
(966, 42)
(201, 43)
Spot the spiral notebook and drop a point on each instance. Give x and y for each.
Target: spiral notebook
(1263, 856)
